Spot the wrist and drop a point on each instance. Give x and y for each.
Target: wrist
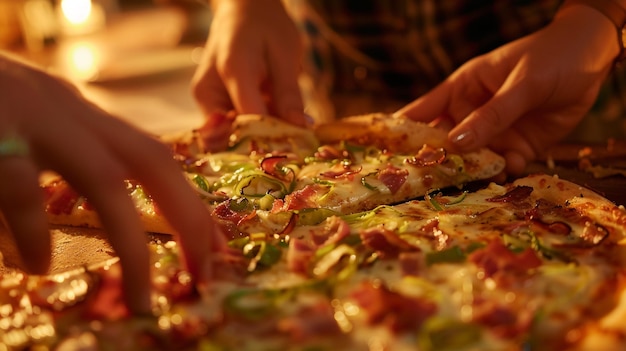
(614, 11)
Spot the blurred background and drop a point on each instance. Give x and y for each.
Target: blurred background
(134, 58)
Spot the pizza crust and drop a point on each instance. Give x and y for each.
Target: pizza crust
(396, 134)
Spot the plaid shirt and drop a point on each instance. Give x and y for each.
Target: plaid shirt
(409, 46)
(400, 49)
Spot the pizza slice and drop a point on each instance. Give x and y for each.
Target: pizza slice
(371, 160)
(275, 173)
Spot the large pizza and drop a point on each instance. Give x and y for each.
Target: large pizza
(368, 233)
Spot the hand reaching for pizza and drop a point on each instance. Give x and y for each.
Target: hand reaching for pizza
(526, 95)
(251, 63)
(46, 124)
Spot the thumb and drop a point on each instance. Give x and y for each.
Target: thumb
(429, 106)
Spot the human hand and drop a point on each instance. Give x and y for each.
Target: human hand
(51, 127)
(251, 64)
(525, 96)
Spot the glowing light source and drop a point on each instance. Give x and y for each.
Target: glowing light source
(80, 16)
(76, 11)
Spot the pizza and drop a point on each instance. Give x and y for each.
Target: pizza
(450, 261)
(272, 168)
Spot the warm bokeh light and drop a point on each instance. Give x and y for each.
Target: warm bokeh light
(84, 62)
(76, 11)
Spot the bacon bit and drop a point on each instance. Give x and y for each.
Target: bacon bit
(496, 258)
(299, 255)
(271, 166)
(108, 300)
(503, 321)
(428, 156)
(385, 242)
(300, 199)
(224, 212)
(383, 306)
(310, 322)
(176, 286)
(559, 228)
(411, 262)
(431, 232)
(340, 170)
(515, 195)
(592, 234)
(277, 205)
(334, 231)
(60, 198)
(393, 177)
(328, 153)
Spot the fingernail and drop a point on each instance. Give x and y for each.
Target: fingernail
(463, 139)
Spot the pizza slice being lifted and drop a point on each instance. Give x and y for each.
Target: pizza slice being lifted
(273, 170)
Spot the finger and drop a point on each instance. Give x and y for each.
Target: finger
(245, 93)
(21, 202)
(490, 119)
(286, 91)
(95, 173)
(515, 163)
(210, 93)
(151, 164)
(516, 149)
(242, 77)
(430, 106)
(215, 132)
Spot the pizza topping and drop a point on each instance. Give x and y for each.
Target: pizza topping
(428, 156)
(310, 322)
(383, 306)
(60, 198)
(393, 177)
(299, 255)
(384, 242)
(335, 230)
(340, 262)
(258, 185)
(273, 165)
(502, 319)
(341, 169)
(234, 211)
(516, 195)
(329, 153)
(300, 199)
(411, 262)
(496, 258)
